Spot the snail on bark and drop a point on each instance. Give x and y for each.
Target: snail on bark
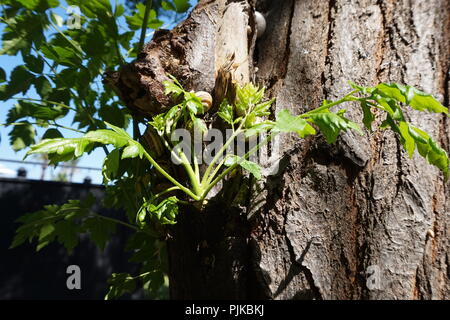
(206, 98)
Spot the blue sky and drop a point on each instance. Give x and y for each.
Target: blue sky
(95, 159)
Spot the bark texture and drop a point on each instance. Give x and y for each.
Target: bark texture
(354, 220)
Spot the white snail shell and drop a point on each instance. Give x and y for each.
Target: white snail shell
(206, 99)
(260, 24)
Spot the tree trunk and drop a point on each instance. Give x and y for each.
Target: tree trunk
(354, 220)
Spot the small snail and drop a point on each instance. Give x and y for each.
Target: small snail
(206, 99)
(260, 24)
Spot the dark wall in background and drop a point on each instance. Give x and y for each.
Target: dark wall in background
(27, 274)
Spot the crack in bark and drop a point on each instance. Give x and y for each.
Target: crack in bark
(331, 8)
(287, 53)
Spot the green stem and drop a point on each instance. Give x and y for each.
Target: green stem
(192, 176)
(232, 167)
(72, 43)
(219, 154)
(196, 167)
(116, 221)
(39, 124)
(166, 191)
(67, 128)
(169, 177)
(47, 102)
(216, 170)
(148, 7)
(348, 97)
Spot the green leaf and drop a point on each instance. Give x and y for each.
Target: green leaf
(226, 112)
(43, 87)
(395, 91)
(181, 5)
(100, 230)
(18, 111)
(20, 81)
(368, 117)
(259, 128)
(66, 149)
(364, 90)
(113, 114)
(35, 64)
(120, 284)
(66, 56)
(119, 10)
(121, 132)
(22, 31)
(39, 5)
(166, 5)
(44, 112)
(54, 222)
(111, 165)
(135, 21)
(22, 136)
(52, 133)
(250, 166)
(413, 97)
(172, 87)
(12, 44)
(105, 136)
(61, 149)
(2, 75)
(165, 212)
(46, 235)
(406, 139)
(430, 150)
(412, 137)
(331, 124)
(262, 109)
(158, 123)
(132, 151)
(67, 234)
(29, 109)
(286, 122)
(423, 101)
(247, 97)
(194, 106)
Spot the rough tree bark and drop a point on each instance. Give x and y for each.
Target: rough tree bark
(355, 220)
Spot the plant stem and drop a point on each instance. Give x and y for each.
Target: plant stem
(67, 128)
(148, 6)
(348, 97)
(219, 154)
(196, 167)
(116, 221)
(232, 167)
(192, 176)
(166, 191)
(47, 102)
(72, 43)
(170, 178)
(37, 124)
(216, 170)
